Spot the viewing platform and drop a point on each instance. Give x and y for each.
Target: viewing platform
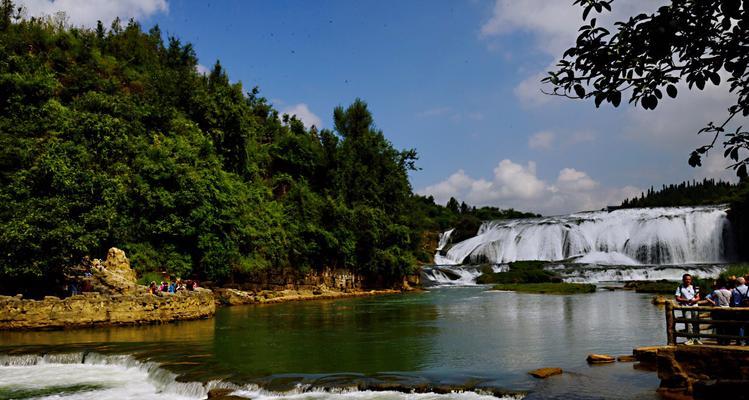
(716, 362)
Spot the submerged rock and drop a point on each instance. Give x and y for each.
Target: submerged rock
(223, 394)
(544, 373)
(600, 359)
(626, 358)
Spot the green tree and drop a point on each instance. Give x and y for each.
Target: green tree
(690, 41)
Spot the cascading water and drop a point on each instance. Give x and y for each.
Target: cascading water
(91, 376)
(653, 236)
(444, 239)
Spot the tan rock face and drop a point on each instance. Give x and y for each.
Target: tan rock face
(113, 275)
(543, 373)
(680, 368)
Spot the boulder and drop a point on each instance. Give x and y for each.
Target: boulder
(543, 373)
(113, 275)
(233, 297)
(600, 359)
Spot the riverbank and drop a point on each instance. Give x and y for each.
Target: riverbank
(118, 300)
(236, 297)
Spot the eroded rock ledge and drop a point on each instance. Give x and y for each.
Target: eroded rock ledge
(118, 300)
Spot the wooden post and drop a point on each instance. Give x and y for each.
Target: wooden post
(670, 325)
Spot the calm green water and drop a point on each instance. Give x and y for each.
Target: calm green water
(450, 335)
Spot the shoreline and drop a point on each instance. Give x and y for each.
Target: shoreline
(236, 297)
(93, 310)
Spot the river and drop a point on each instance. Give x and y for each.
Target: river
(454, 335)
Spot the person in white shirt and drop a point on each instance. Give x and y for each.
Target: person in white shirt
(688, 295)
(720, 297)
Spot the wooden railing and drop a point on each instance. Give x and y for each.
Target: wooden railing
(714, 325)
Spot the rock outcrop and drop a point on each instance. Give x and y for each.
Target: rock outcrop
(91, 309)
(116, 300)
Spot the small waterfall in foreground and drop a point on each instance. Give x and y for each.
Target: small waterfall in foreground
(86, 376)
(653, 236)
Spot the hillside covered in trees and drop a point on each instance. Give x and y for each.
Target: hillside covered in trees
(688, 193)
(110, 137)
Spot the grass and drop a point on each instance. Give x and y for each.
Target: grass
(520, 272)
(548, 288)
(658, 287)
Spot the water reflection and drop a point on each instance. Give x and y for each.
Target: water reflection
(449, 335)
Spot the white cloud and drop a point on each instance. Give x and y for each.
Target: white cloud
(304, 114)
(202, 69)
(87, 12)
(670, 129)
(582, 136)
(518, 186)
(541, 140)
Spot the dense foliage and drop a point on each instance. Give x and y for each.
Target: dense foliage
(110, 137)
(465, 219)
(688, 193)
(698, 42)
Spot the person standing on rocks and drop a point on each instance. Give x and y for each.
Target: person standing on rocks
(688, 295)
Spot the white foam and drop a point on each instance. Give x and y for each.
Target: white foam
(668, 235)
(94, 377)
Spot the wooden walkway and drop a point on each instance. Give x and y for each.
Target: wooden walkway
(711, 325)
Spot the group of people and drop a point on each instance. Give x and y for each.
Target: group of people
(732, 292)
(172, 286)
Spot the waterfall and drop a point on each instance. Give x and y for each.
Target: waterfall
(651, 236)
(444, 239)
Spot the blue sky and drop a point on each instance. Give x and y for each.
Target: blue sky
(457, 80)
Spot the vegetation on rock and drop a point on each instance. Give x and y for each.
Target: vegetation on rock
(547, 288)
(521, 272)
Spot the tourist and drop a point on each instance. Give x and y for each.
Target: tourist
(688, 296)
(172, 287)
(720, 297)
(740, 298)
(152, 288)
(164, 286)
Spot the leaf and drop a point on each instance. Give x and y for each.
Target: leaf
(671, 90)
(735, 154)
(587, 11)
(599, 99)
(616, 98)
(579, 90)
(741, 171)
(715, 78)
(700, 82)
(695, 160)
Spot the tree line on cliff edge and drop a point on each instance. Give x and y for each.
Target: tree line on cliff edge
(110, 137)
